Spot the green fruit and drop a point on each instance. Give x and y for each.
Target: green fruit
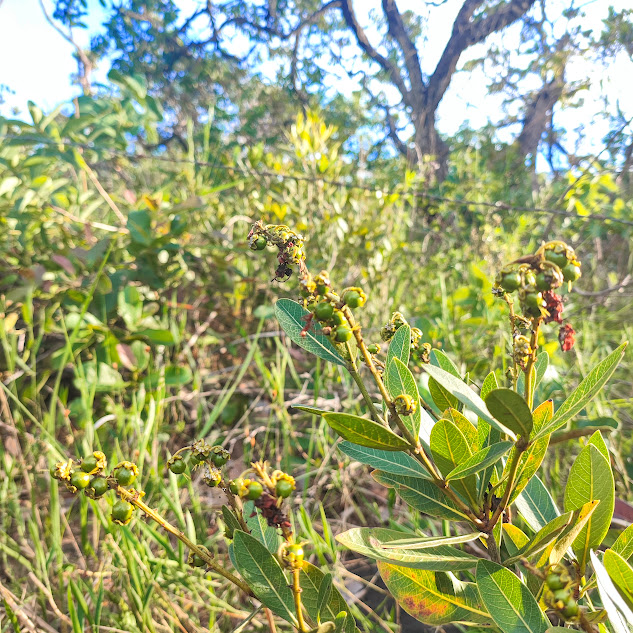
(532, 303)
(354, 299)
(283, 489)
(255, 490)
(554, 582)
(178, 466)
(125, 476)
(529, 278)
(197, 561)
(80, 480)
(571, 609)
(556, 257)
(99, 486)
(219, 459)
(338, 318)
(561, 595)
(510, 281)
(542, 282)
(324, 311)
(122, 512)
(571, 272)
(88, 464)
(342, 334)
(233, 487)
(373, 348)
(259, 243)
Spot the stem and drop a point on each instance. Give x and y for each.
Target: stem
(236, 509)
(133, 498)
(296, 590)
(529, 391)
(493, 550)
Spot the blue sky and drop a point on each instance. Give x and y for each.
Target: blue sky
(37, 64)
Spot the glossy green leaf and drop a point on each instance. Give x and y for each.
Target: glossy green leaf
(585, 392)
(400, 380)
(370, 541)
(570, 534)
(433, 598)
(465, 426)
(619, 612)
(511, 410)
(466, 396)
(365, 432)
(441, 397)
(450, 449)
(311, 581)
(535, 504)
(441, 360)
(259, 527)
(422, 495)
(590, 479)
(400, 346)
(624, 543)
(621, 573)
(598, 441)
(264, 575)
(483, 428)
(425, 542)
(509, 602)
(480, 461)
(313, 410)
(514, 538)
(291, 319)
(395, 462)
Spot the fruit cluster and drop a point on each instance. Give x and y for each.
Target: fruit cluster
(558, 593)
(288, 242)
(89, 475)
(420, 351)
(535, 278)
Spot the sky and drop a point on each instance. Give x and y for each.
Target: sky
(36, 64)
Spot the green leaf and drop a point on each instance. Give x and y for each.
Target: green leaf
(264, 575)
(324, 594)
(259, 527)
(450, 449)
(370, 542)
(441, 360)
(590, 479)
(365, 432)
(432, 598)
(509, 602)
(291, 319)
(585, 392)
(621, 573)
(311, 581)
(619, 612)
(400, 346)
(530, 460)
(425, 542)
(397, 463)
(441, 397)
(624, 543)
(466, 396)
(157, 337)
(422, 495)
(400, 380)
(559, 529)
(535, 504)
(313, 410)
(139, 224)
(565, 540)
(465, 426)
(480, 460)
(511, 410)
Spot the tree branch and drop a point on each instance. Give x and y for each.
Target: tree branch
(361, 37)
(467, 33)
(398, 31)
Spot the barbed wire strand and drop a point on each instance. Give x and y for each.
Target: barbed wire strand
(371, 188)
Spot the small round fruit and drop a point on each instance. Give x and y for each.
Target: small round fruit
(125, 476)
(197, 561)
(255, 490)
(354, 298)
(88, 464)
(122, 512)
(99, 486)
(561, 595)
(571, 272)
(233, 487)
(342, 334)
(80, 479)
(294, 555)
(178, 466)
(532, 303)
(338, 318)
(571, 609)
(373, 348)
(283, 489)
(554, 582)
(219, 459)
(556, 257)
(324, 311)
(510, 281)
(259, 243)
